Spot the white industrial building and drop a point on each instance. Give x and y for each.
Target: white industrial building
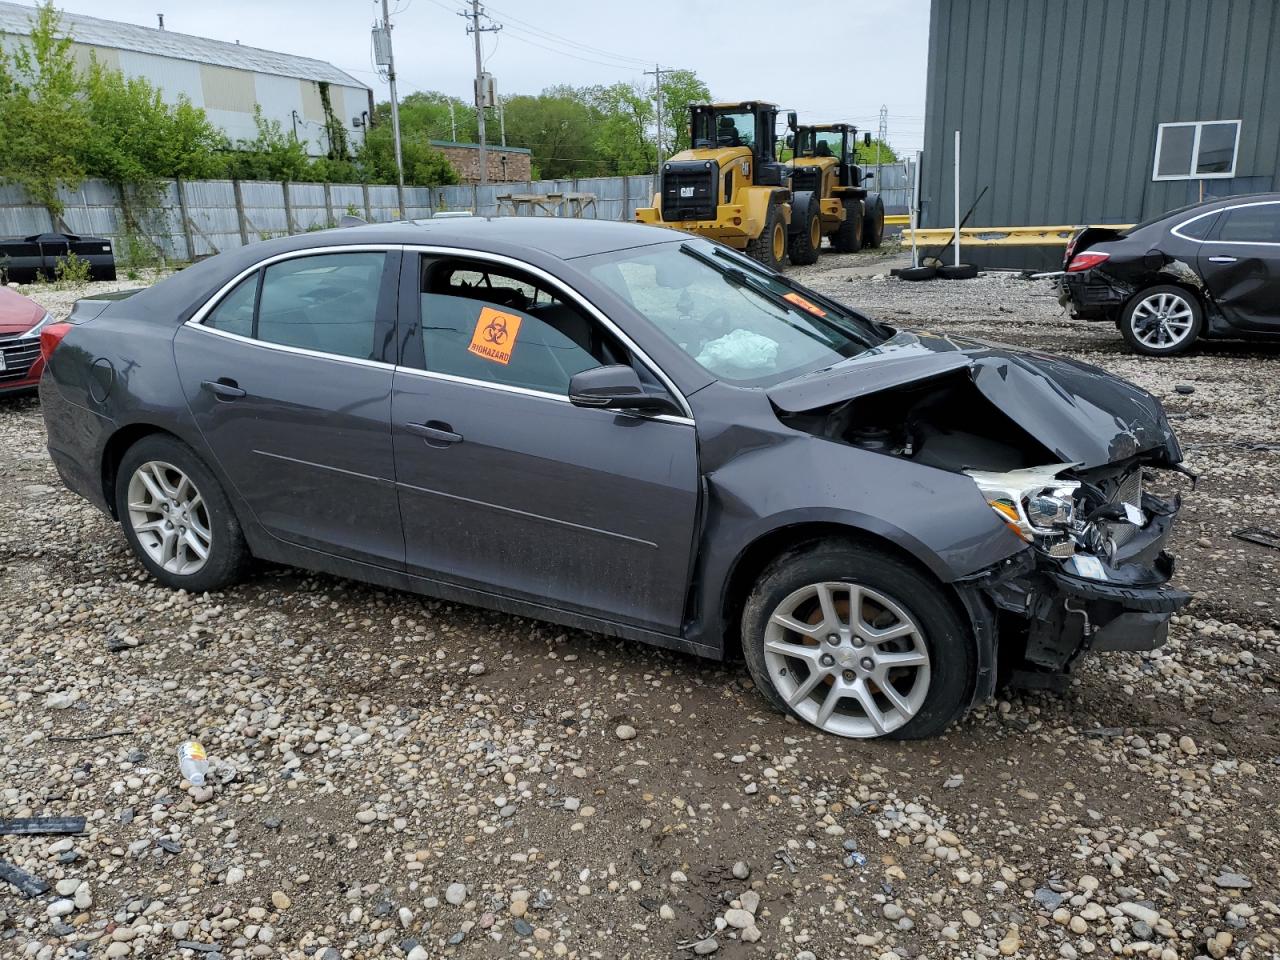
(226, 79)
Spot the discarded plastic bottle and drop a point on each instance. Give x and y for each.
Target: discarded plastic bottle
(193, 762)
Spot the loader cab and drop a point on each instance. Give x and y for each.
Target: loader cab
(836, 141)
(751, 125)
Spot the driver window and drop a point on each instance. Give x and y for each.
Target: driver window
(485, 322)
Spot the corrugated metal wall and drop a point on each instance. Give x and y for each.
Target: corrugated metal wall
(1058, 102)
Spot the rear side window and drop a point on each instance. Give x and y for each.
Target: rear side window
(235, 313)
(1200, 227)
(1254, 224)
(497, 325)
(326, 303)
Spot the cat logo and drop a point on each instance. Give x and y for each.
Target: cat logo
(495, 335)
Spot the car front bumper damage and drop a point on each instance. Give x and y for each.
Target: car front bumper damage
(1038, 614)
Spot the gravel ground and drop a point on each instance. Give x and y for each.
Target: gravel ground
(395, 776)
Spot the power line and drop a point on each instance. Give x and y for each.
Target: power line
(625, 68)
(555, 37)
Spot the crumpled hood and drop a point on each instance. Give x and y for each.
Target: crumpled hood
(1080, 412)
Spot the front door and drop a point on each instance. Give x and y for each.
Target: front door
(507, 487)
(1240, 263)
(288, 385)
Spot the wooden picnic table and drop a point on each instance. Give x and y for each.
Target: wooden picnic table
(546, 204)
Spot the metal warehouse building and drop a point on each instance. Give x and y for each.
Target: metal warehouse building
(1097, 111)
(226, 79)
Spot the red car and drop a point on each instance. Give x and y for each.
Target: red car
(21, 321)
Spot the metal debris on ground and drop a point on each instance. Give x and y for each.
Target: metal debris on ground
(1185, 389)
(42, 825)
(28, 884)
(1262, 536)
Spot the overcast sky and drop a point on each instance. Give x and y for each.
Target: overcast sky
(828, 59)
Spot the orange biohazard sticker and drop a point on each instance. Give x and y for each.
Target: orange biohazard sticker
(495, 335)
(807, 305)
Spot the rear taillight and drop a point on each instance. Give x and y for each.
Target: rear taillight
(1086, 261)
(51, 336)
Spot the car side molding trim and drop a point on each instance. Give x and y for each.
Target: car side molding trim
(324, 466)
(524, 513)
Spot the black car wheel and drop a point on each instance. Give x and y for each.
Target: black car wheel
(857, 643)
(1162, 321)
(177, 518)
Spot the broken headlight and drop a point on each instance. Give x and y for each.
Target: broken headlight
(1034, 504)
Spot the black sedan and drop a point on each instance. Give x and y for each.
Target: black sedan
(1207, 270)
(629, 431)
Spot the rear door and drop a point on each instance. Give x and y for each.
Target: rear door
(289, 380)
(507, 487)
(1240, 264)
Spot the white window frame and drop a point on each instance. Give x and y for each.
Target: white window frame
(1195, 151)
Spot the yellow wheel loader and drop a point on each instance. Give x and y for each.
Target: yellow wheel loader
(729, 186)
(824, 177)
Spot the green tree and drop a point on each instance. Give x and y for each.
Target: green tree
(622, 141)
(560, 128)
(423, 164)
(133, 136)
(271, 155)
(43, 118)
(679, 89)
(866, 155)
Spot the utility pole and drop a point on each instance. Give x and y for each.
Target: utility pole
(453, 124)
(474, 28)
(502, 124)
(881, 136)
(385, 58)
(656, 73)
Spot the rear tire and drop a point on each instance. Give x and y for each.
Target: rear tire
(806, 241)
(1161, 321)
(848, 236)
(171, 508)
(932, 676)
(765, 247)
(873, 222)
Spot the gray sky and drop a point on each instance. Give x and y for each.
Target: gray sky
(881, 59)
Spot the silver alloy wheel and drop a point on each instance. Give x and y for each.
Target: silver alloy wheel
(169, 517)
(1161, 320)
(847, 659)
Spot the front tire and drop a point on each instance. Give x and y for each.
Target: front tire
(807, 241)
(176, 517)
(770, 247)
(848, 236)
(858, 643)
(1161, 321)
(873, 222)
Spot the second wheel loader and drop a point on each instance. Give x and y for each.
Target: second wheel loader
(824, 176)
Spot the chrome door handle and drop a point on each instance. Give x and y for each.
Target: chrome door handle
(436, 434)
(224, 389)
(1222, 259)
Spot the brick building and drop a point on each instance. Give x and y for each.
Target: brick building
(506, 164)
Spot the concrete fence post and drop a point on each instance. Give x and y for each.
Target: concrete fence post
(626, 197)
(368, 210)
(289, 226)
(475, 199)
(184, 213)
(240, 217)
(328, 205)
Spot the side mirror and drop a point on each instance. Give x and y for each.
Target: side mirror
(791, 120)
(866, 139)
(868, 176)
(790, 141)
(615, 386)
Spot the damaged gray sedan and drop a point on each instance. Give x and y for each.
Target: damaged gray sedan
(643, 435)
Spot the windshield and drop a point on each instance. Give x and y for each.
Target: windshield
(725, 129)
(739, 321)
(822, 143)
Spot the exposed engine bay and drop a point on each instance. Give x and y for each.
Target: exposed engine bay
(1095, 575)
